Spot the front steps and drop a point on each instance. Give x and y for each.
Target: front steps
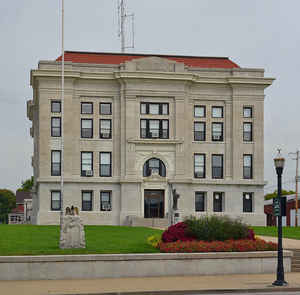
(296, 260)
(147, 222)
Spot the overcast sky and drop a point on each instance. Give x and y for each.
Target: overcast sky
(257, 33)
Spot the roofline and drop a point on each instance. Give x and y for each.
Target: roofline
(145, 54)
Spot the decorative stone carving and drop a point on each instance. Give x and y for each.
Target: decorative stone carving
(154, 64)
(72, 232)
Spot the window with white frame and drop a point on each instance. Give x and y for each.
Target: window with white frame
(218, 202)
(55, 163)
(247, 112)
(55, 126)
(86, 128)
(86, 108)
(105, 200)
(247, 202)
(247, 167)
(55, 106)
(199, 131)
(199, 166)
(217, 112)
(105, 108)
(105, 164)
(105, 128)
(247, 131)
(151, 128)
(87, 200)
(217, 166)
(86, 163)
(152, 108)
(199, 111)
(217, 132)
(200, 201)
(55, 200)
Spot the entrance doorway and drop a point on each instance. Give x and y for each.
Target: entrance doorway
(154, 204)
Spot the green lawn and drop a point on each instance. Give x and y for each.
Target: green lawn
(287, 232)
(42, 239)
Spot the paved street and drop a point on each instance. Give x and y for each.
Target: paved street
(168, 285)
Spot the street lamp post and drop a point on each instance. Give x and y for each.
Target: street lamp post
(279, 164)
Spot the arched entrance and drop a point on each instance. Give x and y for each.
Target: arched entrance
(154, 199)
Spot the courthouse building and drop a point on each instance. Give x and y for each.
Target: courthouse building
(137, 125)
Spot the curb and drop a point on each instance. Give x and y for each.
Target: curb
(271, 289)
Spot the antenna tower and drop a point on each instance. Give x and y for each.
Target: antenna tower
(122, 16)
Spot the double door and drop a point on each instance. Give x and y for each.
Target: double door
(154, 206)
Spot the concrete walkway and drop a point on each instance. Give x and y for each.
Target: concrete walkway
(286, 243)
(246, 283)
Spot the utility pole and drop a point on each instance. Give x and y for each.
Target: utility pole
(296, 180)
(62, 119)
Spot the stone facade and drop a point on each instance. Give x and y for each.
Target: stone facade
(148, 90)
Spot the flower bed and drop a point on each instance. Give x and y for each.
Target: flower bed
(217, 246)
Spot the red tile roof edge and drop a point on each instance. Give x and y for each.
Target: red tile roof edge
(118, 58)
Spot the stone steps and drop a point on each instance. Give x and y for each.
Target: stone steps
(148, 222)
(296, 260)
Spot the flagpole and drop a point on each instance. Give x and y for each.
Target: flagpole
(62, 115)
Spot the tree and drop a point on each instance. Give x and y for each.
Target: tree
(7, 203)
(274, 194)
(26, 185)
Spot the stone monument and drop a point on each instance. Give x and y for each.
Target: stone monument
(72, 231)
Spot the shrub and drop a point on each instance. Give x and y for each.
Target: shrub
(217, 246)
(216, 228)
(154, 240)
(176, 232)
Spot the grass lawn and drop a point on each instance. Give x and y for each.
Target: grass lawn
(44, 240)
(287, 232)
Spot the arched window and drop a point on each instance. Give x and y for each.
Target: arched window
(154, 165)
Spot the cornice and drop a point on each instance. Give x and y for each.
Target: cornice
(141, 75)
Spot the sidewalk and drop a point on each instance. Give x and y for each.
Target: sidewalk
(244, 282)
(286, 243)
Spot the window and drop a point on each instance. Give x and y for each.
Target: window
(154, 108)
(55, 163)
(105, 164)
(86, 128)
(87, 200)
(55, 201)
(247, 202)
(199, 111)
(154, 166)
(105, 201)
(86, 108)
(199, 201)
(217, 166)
(247, 167)
(105, 128)
(154, 128)
(218, 202)
(247, 112)
(247, 132)
(55, 126)
(86, 163)
(199, 166)
(55, 106)
(105, 108)
(199, 131)
(217, 132)
(217, 112)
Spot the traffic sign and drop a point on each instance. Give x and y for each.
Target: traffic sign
(276, 206)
